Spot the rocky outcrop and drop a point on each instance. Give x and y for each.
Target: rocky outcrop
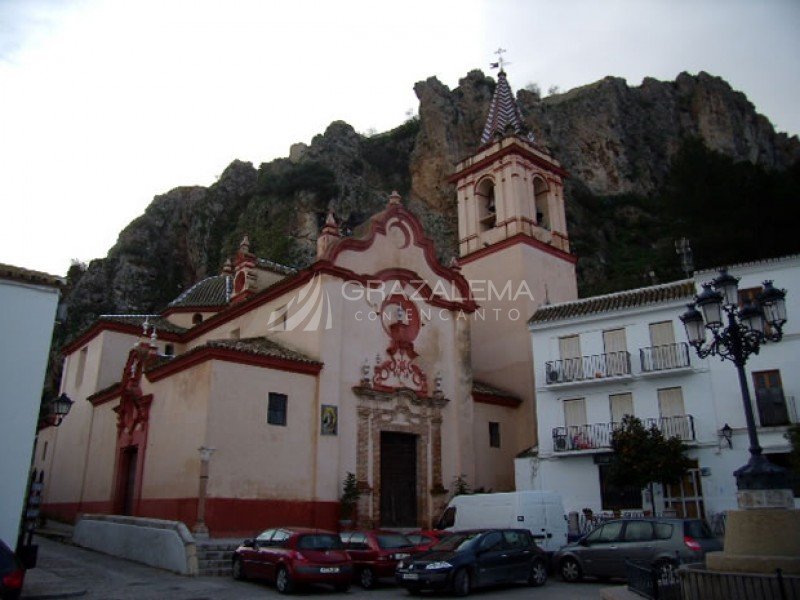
(612, 138)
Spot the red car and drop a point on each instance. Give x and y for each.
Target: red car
(424, 540)
(375, 554)
(290, 556)
(11, 574)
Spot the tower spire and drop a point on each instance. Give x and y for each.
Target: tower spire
(504, 116)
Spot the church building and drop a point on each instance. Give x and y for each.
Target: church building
(249, 399)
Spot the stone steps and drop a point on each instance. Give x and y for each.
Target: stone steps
(214, 557)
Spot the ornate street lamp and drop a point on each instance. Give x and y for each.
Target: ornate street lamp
(54, 410)
(735, 334)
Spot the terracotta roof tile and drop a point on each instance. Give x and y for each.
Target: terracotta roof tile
(667, 292)
(260, 346)
(29, 276)
(160, 323)
(480, 387)
(211, 291)
(263, 263)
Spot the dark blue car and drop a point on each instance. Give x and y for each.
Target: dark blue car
(467, 560)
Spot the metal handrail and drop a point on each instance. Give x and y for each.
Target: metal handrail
(583, 368)
(598, 435)
(665, 357)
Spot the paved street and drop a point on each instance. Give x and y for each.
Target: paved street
(68, 571)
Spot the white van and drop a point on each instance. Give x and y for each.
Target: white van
(542, 513)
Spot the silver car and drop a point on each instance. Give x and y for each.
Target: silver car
(661, 542)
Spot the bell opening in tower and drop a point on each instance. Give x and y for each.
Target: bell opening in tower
(486, 205)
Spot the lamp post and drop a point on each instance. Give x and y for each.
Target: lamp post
(736, 333)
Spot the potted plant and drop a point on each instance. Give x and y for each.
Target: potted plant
(348, 501)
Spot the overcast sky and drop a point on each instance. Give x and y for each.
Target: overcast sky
(106, 103)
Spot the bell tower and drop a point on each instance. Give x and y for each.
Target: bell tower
(514, 251)
(510, 187)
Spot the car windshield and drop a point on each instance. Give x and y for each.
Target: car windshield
(697, 529)
(319, 541)
(393, 540)
(456, 542)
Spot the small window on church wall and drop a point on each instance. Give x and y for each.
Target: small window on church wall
(276, 409)
(494, 434)
(542, 206)
(236, 334)
(169, 349)
(197, 318)
(487, 208)
(81, 366)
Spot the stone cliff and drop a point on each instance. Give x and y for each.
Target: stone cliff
(616, 141)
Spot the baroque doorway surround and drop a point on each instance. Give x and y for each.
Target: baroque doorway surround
(401, 411)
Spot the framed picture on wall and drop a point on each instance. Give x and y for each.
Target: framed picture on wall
(329, 419)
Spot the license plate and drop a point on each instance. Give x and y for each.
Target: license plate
(411, 576)
(329, 569)
(400, 555)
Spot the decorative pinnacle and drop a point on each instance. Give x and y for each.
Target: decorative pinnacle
(394, 198)
(331, 227)
(244, 246)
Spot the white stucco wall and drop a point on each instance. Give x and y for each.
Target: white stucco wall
(26, 326)
(711, 393)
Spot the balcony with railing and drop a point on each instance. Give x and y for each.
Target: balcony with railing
(589, 368)
(598, 435)
(658, 359)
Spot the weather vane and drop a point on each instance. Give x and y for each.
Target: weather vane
(500, 64)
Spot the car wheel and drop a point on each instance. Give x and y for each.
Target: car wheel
(238, 570)
(366, 578)
(570, 570)
(538, 574)
(283, 582)
(462, 583)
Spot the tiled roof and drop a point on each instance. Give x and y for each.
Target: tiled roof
(667, 292)
(504, 114)
(263, 263)
(29, 276)
(211, 291)
(480, 387)
(160, 323)
(260, 346)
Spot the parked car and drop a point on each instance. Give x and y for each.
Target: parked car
(467, 560)
(426, 539)
(375, 554)
(11, 574)
(290, 556)
(661, 542)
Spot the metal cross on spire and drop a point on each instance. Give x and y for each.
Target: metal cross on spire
(500, 64)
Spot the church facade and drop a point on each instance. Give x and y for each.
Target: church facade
(248, 400)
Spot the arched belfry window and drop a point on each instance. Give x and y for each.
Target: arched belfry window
(540, 193)
(197, 318)
(487, 208)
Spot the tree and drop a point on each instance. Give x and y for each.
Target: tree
(644, 456)
(350, 494)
